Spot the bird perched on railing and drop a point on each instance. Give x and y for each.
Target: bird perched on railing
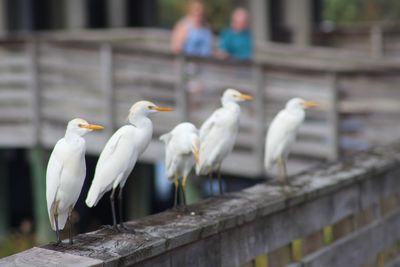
(120, 154)
(66, 171)
(218, 135)
(181, 153)
(282, 134)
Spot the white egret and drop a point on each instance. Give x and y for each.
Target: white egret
(218, 134)
(66, 171)
(120, 154)
(181, 152)
(282, 133)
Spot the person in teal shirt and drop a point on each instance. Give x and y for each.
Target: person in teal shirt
(236, 41)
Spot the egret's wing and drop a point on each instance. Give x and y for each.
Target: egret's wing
(166, 138)
(281, 134)
(110, 166)
(110, 147)
(53, 177)
(211, 122)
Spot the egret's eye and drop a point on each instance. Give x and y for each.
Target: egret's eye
(150, 107)
(80, 125)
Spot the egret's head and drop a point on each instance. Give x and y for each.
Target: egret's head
(82, 127)
(299, 103)
(145, 108)
(232, 95)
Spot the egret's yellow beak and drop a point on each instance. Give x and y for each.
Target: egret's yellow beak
(160, 109)
(245, 97)
(311, 104)
(93, 127)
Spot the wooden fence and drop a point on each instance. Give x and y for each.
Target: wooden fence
(341, 214)
(48, 79)
(46, 83)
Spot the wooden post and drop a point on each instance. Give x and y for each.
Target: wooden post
(76, 14)
(180, 91)
(260, 23)
(4, 214)
(116, 13)
(377, 42)
(259, 100)
(35, 154)
(3, 17)
(298, 19)
(38, 173)
(34, 89)
(334, 117)
(107, 84)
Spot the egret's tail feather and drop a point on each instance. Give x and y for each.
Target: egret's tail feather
(62, 219)
(93, 197)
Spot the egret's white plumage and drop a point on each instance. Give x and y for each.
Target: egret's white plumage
(218, 132)
(121, 152)
(66, 171)
(282, 132)
(181, 151)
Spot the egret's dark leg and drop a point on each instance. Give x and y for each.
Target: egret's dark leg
(176, 182)
(57, 229)
(184, 180)
(284, 171)
(113, 209)
(210, 179)
(70, 227)
(121, 210)
(221, 190)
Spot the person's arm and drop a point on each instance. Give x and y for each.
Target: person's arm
(178, 37)
(222, 51)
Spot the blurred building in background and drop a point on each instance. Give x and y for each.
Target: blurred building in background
(277, 20)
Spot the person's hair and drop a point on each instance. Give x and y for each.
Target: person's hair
(191, 3)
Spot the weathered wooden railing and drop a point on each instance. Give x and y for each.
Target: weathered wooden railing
(341, 214)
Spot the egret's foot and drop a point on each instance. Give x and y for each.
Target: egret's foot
(225, 196)
(287, 191)
(112, 228)
(56, 243)
(183, 209)
(125, 229)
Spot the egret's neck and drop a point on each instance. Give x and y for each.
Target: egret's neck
(72, 136)
(139, 120)
(230, 104)
(296, 111)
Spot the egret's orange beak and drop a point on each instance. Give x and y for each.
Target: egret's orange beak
(94, 127)
(311, 104)
(161, 109)
(246, 97)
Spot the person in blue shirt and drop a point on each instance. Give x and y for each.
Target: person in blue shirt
(236, 41)
(191, 36)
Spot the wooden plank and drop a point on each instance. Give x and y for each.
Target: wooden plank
(46, 258)
(107, 84)
(34, 89)
(368, 241)
(333, 120)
